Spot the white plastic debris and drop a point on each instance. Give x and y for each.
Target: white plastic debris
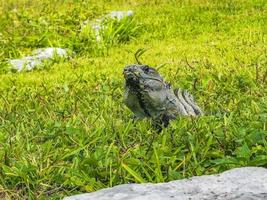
(97, 25)
(39, 55)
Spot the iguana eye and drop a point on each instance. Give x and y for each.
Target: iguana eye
(146, 69)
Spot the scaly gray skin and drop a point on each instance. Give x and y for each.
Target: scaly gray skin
(148, 95)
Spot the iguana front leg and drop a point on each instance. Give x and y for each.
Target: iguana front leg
(163, 121)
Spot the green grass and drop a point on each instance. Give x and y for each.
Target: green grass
(65, 130)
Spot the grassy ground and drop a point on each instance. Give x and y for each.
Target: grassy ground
(65, 130)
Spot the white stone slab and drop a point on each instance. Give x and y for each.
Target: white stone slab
(97, 25)
(248, 183)
(39, 55)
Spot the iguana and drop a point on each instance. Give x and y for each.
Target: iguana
(148, 95)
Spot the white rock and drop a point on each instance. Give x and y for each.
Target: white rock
(26, 63)
(97, 25)
(248, 183)
(50, 52)
(119, 15)
(39, 55)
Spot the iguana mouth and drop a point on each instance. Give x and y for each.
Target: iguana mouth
(132, 81)
(128, 74)
(131, 78)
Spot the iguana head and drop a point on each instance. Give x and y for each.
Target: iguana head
(143, 77)
(145, 90)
